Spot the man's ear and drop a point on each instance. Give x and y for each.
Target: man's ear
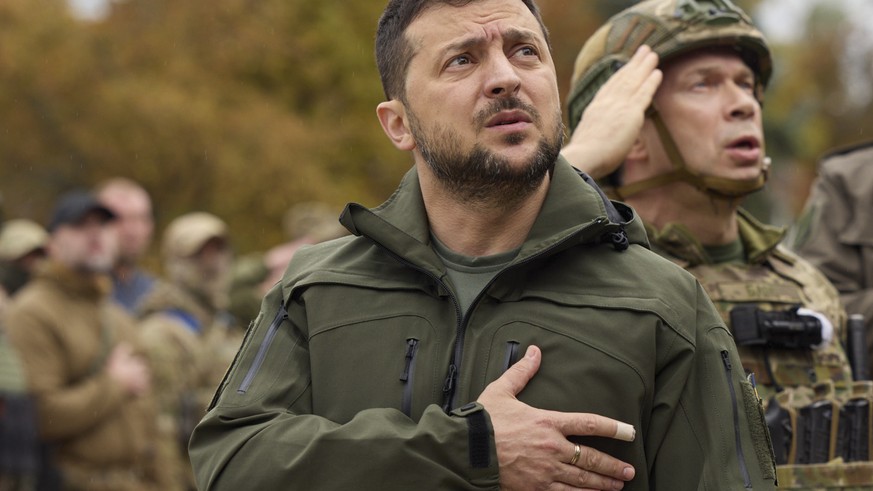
(392, 116)
(638, 150)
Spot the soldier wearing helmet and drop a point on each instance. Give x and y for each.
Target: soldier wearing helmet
(692, 147)
(190, 337)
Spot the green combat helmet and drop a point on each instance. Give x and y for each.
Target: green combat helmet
(671, 28)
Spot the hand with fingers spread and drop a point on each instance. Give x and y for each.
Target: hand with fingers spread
(533, 451)
(612, 121)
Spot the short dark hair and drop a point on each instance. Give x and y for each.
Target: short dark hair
(393, 50)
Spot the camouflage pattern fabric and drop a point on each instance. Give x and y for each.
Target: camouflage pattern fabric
(190, 346)
(670, 28)
(774, 279)
(833, 476)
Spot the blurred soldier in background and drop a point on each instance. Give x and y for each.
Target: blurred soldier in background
(189, 336)
(80, 355)
(22, 249)
(19, 445)
(304, 223)
(135, 223)
(835, 231)
(684, 158)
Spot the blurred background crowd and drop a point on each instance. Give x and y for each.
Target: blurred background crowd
(241, 128)
(122, 360)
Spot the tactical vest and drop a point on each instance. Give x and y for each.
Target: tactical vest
(821, 422)
(774, 280)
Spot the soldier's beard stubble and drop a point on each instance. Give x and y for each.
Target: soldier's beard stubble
(479, 176)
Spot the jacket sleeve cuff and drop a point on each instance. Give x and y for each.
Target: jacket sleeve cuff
(479, 432)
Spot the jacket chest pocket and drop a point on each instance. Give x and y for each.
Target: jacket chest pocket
(387, 362)
(573, 367)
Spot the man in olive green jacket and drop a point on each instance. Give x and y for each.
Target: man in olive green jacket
(489, 321)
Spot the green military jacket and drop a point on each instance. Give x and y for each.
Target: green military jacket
(360, 371)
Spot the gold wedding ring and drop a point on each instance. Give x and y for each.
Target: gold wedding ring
(577, 451)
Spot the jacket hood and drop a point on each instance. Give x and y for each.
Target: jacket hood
(574, 212)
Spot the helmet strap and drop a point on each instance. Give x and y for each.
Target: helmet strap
(718, 187)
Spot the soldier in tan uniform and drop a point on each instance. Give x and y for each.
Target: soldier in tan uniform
(835, 231)
(677, 134)
(189, 336)
(82, 359)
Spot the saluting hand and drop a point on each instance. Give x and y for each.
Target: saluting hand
(612, 121)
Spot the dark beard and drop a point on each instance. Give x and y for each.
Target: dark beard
(480, 176)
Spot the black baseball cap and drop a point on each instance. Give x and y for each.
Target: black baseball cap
(72, 207)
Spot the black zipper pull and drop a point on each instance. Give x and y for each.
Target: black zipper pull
(725, 358)
(450, 379)
(411, 344)
(619, 240)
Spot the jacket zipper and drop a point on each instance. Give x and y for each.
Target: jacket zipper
(744, 470)
(281, 315)
(449, 387)
(408, 375)
(452, 375)
(511, 355)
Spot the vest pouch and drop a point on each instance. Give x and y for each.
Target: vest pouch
(818, 427)
(856, 431)
(782, 423)
(775, 328)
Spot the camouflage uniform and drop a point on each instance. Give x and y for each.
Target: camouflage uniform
(774, 278)
(190, 347)
(190, 338)
(835, 232)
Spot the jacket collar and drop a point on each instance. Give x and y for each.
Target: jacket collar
(759, 240)
(76, 283)
(571, 208)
